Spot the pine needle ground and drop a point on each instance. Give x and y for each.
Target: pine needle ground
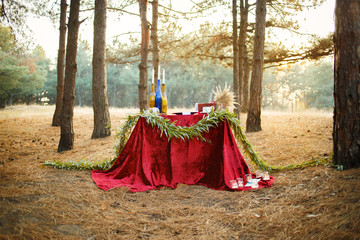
(45, 203)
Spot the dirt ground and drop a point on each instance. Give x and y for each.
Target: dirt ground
(43, 203)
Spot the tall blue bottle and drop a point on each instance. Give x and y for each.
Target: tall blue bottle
(158, 96)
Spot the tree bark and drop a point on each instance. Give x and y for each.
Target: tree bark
(99, 78)
(246, 77)
(235, 59)
(154, 40)
(244, 10)
(67, 110)
(60, 64)
(143, 86)
(346, 130)
(253, 121)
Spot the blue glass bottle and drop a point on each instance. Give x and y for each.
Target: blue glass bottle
(158, 97)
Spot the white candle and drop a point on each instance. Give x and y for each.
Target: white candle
(164, 76)
(153, 75)
(159, 72)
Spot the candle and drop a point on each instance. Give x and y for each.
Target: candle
(159, 72)
(153, 75)
(233, 184)
(164, 76)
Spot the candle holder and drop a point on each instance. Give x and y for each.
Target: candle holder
(265, 176)
(240, 182)
(254, 183)
(234, 184)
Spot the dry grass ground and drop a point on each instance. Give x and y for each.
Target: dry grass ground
(46, 203)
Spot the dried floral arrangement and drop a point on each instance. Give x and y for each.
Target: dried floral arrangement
(224, 98)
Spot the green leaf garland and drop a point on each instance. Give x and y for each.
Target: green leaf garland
(184, 133)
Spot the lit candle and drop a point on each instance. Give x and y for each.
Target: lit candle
(164, 76)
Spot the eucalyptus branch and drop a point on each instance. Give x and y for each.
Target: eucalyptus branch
(164, 126)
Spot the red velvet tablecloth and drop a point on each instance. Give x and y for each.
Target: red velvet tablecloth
(149, 161)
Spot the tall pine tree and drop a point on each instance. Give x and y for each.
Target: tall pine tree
(346, 132)
(99, 86)
(67, 110)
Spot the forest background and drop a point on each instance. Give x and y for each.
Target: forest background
(189, 40)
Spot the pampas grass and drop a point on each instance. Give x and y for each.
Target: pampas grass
(224, 98)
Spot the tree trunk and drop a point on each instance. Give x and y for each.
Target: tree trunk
(60, 64)
(67, 110)
(244, 11)
(253, 121)
(143, 86)
(154, 40)
(99, 86)
(346, 132)
(246, 77)
(235, 59)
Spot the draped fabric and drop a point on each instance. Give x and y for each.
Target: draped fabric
(150, 161)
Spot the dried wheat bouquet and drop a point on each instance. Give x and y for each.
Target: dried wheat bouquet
(224, 98)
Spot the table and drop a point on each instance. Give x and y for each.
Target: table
(149, 161)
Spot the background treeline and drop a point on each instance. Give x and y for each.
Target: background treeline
(22, 73)
(195, 61)
(31, 78)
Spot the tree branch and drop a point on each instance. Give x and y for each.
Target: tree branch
(124, 11)
(3, 11)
